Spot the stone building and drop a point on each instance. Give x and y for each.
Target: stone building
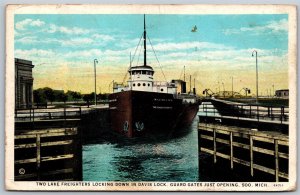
(282, 93)
(23, 83)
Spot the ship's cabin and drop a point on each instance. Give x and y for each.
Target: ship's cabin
(141, 78)
(141, 70)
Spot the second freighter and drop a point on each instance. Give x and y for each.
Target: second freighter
(144, 107)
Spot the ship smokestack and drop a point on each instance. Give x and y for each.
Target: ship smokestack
(145, 36)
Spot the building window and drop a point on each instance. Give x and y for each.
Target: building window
(148, 84)
(161, 89)
(134, 84)
(144, 84)
(139, 84)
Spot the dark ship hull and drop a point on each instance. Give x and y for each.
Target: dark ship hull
(139, 113)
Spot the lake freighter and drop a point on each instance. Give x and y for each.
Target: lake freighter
(145, 107)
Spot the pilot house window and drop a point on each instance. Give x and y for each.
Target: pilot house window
(149, 73)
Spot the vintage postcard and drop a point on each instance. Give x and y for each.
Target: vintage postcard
(151, 97)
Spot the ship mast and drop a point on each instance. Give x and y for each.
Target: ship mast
(145, 58)
(184, 73)
(190, 83)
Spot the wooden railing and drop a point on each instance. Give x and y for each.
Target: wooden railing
(277, 113)
(246, 147)
(33, 114)
(51, 154)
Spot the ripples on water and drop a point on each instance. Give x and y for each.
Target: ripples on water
(174, 159)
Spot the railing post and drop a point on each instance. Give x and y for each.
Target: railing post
(257, 110)
(235, 109)
(276, 160)
(242, 110)
(282, 114)
(65, 114)
(215, 146)
(250, 111)
(280, 117)
(251, 155)
(33, 115)
(80, 111)
(231, 150)
(199, 148)
(38, 155)
(272, 113)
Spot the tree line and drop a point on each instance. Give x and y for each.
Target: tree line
(46, 95)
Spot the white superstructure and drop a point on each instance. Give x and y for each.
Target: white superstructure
(141, 79)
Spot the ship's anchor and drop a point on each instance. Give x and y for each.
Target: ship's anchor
(126, 126)
(139, 126)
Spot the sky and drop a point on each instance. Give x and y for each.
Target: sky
(63, 49)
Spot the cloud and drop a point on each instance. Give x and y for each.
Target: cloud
(188, 45)
(76, 41)
(22, 25)
(177, 54)
(26, 40)
(66, 30)
(37, 23)
(125, 43)
(103, 37)
(107, 58)
(234, 59)
(83, 54)
(277, 26)
(273, 26)
(83, 42)
(31, 40)
(35, 54)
